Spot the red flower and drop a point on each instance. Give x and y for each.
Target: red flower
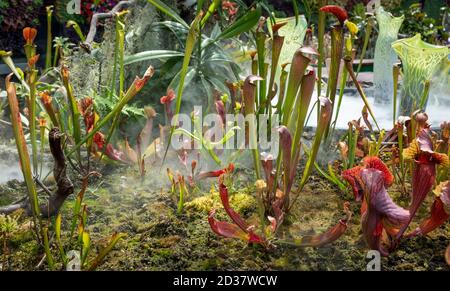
(86, 109)
(339, 12)
(376, 163)
(29, 34)
(381, 214)
(169, 97)
(217, 173)
(231, 7)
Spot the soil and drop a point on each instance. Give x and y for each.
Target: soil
(159, 239)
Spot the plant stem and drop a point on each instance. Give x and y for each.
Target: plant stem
(48, 56)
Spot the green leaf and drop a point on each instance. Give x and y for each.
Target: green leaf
(151, 55)
(58, 238)
(211, 9)
(86, 246)
(296, 13)
(243, 24)
(112, 243)
(77, 29)
(168, 11)
(193, 35)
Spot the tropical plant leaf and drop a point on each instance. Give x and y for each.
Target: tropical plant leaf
(243, 24)
(151, 55)
(168, 11)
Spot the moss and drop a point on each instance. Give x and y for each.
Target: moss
(241, 202)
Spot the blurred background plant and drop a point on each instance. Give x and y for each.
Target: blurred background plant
(14, 16)
(432, 29)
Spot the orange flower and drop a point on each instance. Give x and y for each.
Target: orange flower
(42, 122)
(33, 60)
(29, 34)
(45, 98)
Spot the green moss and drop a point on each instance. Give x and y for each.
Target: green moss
(241, 202)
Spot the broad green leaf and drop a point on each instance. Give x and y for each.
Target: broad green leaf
(151, 55)
(168, 11)
(243, 24)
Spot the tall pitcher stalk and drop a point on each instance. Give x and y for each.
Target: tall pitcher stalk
(320, 38)
(48, 56)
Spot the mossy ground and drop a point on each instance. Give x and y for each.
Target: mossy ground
(159, 239)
